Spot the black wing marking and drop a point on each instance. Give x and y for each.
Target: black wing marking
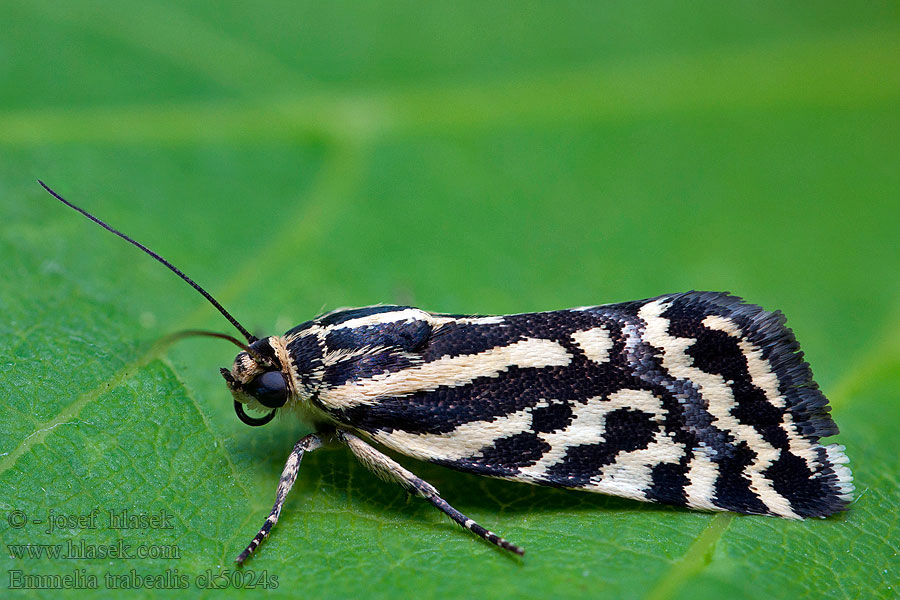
(355, 353)
(693, 399)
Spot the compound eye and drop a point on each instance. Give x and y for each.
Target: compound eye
(270, 389)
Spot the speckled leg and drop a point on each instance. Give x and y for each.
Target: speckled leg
(288, 477)
(389, 470)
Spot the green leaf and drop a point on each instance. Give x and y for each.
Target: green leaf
(482, 158)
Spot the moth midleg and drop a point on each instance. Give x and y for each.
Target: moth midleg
(288, 477)
(390, 470)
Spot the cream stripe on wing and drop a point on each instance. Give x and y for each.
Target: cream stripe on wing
(588, 426)
(438, 320)
(762, 376)
(595, 343)
(313, 330)
(448, 371)
(631, 474)
(406, 314)
(720, 400)
(464, 441)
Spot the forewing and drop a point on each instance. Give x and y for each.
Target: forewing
(694, 399)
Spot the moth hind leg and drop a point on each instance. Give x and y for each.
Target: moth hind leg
(474, 527)
(288, 477)
(388, 469)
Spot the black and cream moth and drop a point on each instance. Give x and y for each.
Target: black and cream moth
(694, 399)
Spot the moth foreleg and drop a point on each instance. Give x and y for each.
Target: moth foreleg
(288, 477)
(390, 470)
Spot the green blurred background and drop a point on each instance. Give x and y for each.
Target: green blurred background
(468, 157)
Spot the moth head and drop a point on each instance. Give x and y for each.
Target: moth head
(260, 380)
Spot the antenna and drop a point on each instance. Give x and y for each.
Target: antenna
(170, 266)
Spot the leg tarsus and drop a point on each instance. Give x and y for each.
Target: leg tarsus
(288, 477)
(388, 469)
(474, 527)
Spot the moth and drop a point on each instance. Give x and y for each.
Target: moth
(693, 399)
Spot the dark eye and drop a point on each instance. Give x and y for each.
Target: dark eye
(269, 388)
